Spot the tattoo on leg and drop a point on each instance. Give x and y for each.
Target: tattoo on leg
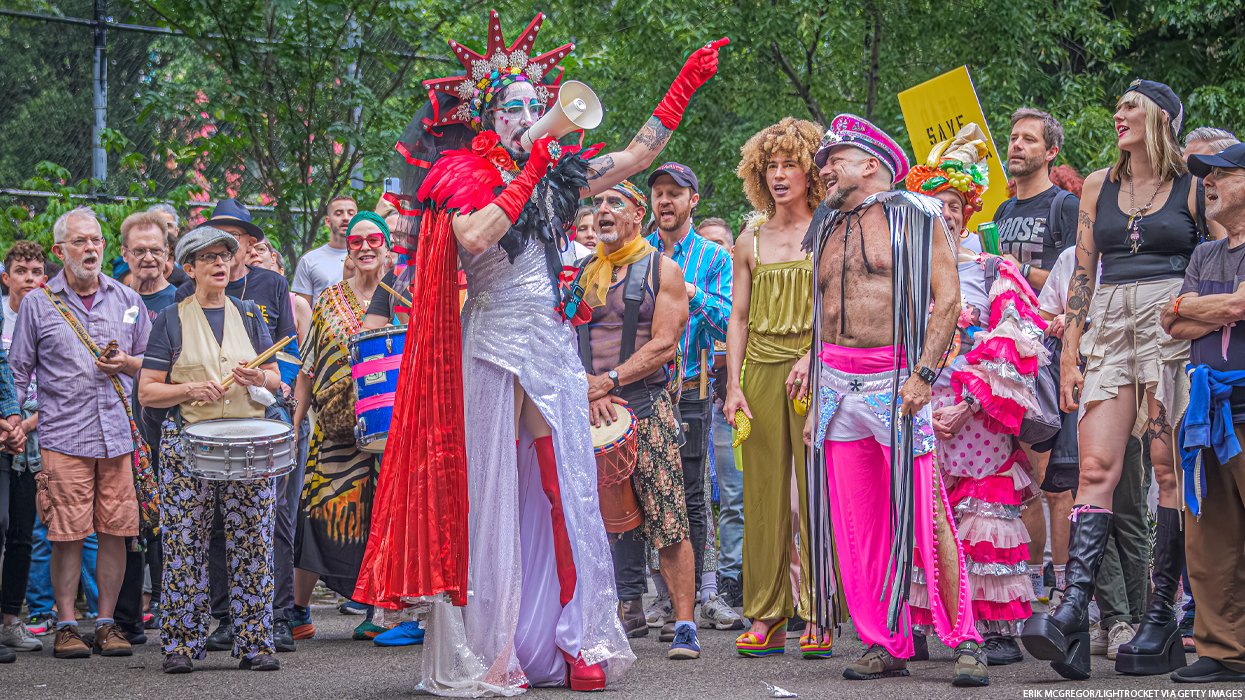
(1157, 428)
(598, 167)
(653, 134)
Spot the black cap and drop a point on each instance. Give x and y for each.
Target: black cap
(231, 212)
(1230, 157)
(681, 174)
(1165, 98)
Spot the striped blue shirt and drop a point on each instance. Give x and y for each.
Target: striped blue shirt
(706, 265)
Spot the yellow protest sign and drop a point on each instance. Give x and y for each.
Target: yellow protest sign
(934, 110)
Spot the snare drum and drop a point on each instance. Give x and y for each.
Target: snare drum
(616, 449)
(375, 357)
(238, 449)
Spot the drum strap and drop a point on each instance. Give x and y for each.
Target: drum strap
(633, 298)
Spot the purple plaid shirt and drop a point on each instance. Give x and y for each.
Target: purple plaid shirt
(80, 413)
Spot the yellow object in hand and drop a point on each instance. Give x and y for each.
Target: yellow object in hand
(743, 427)
(801, 405)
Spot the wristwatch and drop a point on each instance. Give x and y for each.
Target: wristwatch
(613, 375)
(926, 375)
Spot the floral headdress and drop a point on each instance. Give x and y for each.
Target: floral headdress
(957, 164)
(490, 73)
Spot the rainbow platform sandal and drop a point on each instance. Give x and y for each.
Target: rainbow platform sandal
(812, 648)
(775, 642)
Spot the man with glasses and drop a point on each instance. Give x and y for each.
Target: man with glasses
(271, 293)
(86, 484)
(144, 245)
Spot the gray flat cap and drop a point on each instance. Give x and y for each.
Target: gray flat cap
(200, 238)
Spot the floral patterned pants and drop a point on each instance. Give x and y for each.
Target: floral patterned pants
(186, 506)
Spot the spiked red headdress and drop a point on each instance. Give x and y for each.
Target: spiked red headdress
(488, 74)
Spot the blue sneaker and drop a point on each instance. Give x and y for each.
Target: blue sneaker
(352, 608)
(403, 635)
(684, 645)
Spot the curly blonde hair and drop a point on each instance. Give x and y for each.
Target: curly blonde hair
(796, 137)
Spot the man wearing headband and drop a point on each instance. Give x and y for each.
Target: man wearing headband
(638, 311)
(871, 465)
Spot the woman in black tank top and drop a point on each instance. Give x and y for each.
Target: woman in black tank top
(1136, 219)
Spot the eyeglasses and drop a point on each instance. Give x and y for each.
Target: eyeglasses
(209, 258)
(140, 253)
(374, 240)
(95, 242)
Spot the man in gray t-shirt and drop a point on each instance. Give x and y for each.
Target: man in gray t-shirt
(321, 268)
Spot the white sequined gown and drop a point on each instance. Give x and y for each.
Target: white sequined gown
(513, 629)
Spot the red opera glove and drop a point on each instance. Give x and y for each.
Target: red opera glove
(699, 68)
(545, 152)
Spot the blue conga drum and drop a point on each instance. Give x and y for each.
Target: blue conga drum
(375, 357)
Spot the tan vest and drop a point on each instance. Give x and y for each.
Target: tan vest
(203, 359)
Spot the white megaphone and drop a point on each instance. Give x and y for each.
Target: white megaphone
(577, 107)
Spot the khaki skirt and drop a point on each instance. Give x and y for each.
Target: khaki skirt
(1125, 345)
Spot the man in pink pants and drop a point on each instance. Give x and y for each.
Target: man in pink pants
(880, 520)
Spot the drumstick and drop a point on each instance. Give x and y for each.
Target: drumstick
(263, 357)
(704, 368)
(403, 300)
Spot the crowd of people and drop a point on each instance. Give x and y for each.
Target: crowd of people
(858, 407)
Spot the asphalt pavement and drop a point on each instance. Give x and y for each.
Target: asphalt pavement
(333, 666)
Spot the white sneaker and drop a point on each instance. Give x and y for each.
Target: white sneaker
(1121, 633)
(1097, 641)
(1055, 598)
(660, 612)
(716, 614)
(18, 638)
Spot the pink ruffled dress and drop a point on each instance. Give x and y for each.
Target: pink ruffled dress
(986, 472)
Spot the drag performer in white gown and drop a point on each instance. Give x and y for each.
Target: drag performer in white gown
(502, 536)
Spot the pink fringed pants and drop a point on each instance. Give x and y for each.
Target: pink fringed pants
(857, 451)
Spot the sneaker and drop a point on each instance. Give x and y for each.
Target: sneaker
(41, 625)
(1121, 633)
(716, 614)
(875, 663)
(404, 634)
(300, 626)
(667, 632)
(151, 621)
(69, 644)
(731, 592)
(350, 607)
(685, 645)
(1001, 651)
(6, 655)
(1056, 597)
(260, 662)
(222, 638)
(367, 630)
(177, 663)
(111, 641)
(660, 612)
(1207, 670)
(1039, 588)
(282, 637)
(18, 638)
(970, 666)
(136, 636)
(1097, 640)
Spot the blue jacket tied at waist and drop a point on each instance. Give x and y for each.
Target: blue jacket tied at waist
(1207, 424)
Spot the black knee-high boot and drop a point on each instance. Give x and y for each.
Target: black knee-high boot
(1062, 635)
(1157, 648)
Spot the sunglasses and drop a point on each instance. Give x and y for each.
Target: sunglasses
(374, 240)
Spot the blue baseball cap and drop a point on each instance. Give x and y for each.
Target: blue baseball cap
(1230, 157)
(231, 212)
(680, 173)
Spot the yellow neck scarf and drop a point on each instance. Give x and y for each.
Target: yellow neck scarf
(600, 270)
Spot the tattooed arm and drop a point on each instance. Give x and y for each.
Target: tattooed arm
(612, 168)
(1080, 292)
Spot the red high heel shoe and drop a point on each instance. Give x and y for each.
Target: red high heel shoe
(582, 678)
